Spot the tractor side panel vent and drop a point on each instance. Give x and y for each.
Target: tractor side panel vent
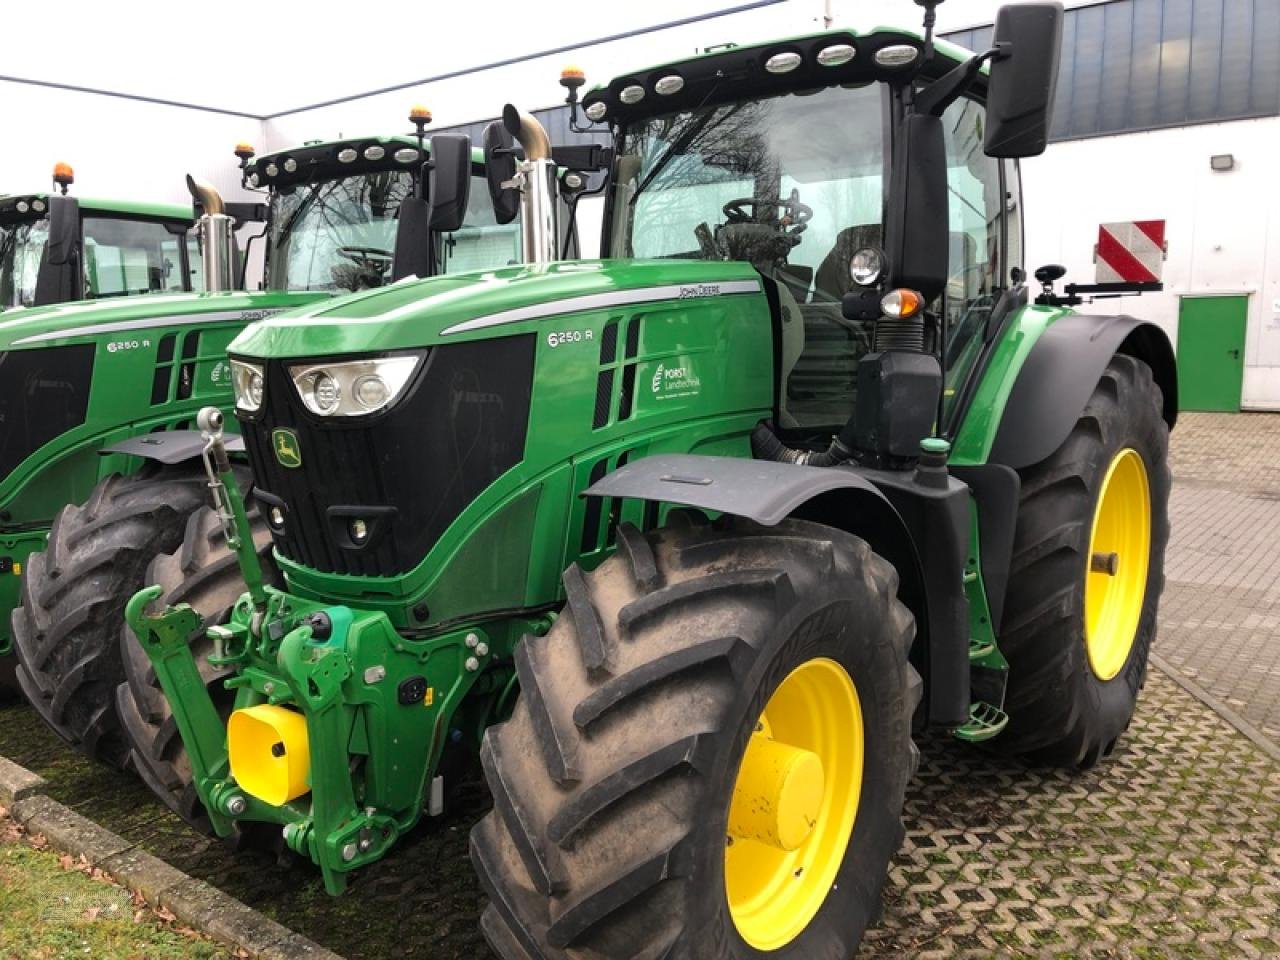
(604, 399)
(609, 343)
(626, 401)
(163, 377)
(592, 510)
(633, 337)
(615, 504)
(607, 377)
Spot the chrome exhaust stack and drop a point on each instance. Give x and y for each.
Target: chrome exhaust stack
(536, 180)
(216, 233)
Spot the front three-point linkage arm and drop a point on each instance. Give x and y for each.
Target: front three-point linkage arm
(165, 638)
(229, 503)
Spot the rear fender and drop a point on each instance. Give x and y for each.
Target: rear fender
(1060, 374)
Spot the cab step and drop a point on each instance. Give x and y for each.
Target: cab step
(985, 722)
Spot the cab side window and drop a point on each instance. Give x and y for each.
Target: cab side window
(123, 257)
(977, 245)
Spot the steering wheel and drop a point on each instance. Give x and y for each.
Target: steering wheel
(374, 257)
(787, 212)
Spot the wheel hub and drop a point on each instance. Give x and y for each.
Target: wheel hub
(794, 804)
(778, 795)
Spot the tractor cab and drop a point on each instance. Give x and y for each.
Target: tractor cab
(56, 248)
(336, 212)
(870, 179)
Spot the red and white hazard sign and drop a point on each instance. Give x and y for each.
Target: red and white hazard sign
(1130, 252)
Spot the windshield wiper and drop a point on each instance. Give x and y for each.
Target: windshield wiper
(303, 206)
(679, 146)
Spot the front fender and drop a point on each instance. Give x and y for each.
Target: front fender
(169, 446)
(1060, 374)
(840, 497)
(759, 490)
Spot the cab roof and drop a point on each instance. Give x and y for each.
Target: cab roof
(731, 72)
(330, 159)
(37, 205)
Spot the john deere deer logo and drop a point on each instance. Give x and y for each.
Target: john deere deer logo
(285, 443)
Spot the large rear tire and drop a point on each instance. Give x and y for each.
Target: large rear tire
(204, 573)
(633, 813)
(1088, 568)
(66, 630)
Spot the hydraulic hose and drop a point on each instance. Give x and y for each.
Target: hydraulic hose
(765, 445)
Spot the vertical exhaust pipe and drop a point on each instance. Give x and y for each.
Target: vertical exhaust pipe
(536, 179)
(215, 231)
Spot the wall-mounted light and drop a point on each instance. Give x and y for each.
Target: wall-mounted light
(1222, 161)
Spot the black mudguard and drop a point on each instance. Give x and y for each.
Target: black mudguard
(759, 490)
(1060, 374)
(887, 510)
(170, 446)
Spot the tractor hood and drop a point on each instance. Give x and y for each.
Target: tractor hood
(485, 305)
(61, 324)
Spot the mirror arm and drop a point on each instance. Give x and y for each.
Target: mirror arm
(935, 98)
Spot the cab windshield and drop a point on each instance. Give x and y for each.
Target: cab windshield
(793, 184)
(341, 234)
(21, 246)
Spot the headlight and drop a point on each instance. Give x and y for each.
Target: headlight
(866, 266)
(353, 388)
(246, 378)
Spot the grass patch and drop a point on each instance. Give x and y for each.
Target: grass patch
(53, 907)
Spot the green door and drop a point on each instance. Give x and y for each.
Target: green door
(1211, 352)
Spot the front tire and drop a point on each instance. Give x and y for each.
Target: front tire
(1077, 631)
(627, 822)
(73, 596)
(204, 573)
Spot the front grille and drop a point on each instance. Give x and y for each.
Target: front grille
(409, 471)
(43, 394)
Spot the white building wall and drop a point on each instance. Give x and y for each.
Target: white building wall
(534, 84)
(121, 149)
(1223, 228)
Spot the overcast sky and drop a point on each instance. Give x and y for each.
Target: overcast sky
(263, 58)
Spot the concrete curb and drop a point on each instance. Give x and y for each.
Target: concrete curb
(1260, 739)
(194, 902)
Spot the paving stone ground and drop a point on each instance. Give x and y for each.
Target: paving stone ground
(1220, 615)
(1171, 848)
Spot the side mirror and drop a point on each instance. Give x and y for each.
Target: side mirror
(1024, 76)
(59, 277)
(499, 168)
(64, 230)
(412, 256)
(450, 182)
(917, 228)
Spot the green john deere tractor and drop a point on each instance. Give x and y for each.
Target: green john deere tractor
(97, 401)
(55, 248)
(687, 541)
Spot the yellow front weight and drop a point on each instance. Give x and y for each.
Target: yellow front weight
(269, 753)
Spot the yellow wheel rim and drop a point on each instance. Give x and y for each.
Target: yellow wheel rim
(1116, 568)
(794, 803)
